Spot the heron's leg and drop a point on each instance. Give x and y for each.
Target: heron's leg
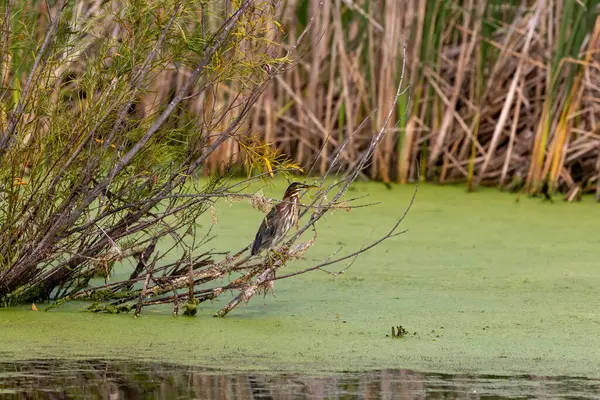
(271, 257)
(281, 254)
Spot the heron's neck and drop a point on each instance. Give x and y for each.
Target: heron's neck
(293, 198)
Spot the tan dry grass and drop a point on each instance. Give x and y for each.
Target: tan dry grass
(501, 93)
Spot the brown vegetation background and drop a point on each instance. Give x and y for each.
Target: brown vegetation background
(498, 93)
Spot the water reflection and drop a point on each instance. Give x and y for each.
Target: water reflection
(127, 380)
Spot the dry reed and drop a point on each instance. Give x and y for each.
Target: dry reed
(501, 93)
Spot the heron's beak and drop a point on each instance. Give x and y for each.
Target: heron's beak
(310, 186)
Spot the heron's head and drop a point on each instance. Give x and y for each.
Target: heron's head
(295, 188)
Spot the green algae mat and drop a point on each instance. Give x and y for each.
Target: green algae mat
(480, 283)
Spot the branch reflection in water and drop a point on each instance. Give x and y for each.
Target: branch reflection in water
(126, 380)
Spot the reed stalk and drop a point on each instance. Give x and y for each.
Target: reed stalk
(494, 87)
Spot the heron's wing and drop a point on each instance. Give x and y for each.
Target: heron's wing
(266, 232)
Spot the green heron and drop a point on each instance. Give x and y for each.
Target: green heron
(279, 220)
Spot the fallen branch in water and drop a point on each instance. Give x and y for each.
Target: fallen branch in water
(94, 209)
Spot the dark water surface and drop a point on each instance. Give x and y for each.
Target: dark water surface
(52, 379)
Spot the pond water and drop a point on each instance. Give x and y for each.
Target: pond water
(499, 299)
(127, 380)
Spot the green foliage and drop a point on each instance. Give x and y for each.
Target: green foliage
(101, 143)
(58, 303)
(577, 22)
(123, 308)
(190, 308)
